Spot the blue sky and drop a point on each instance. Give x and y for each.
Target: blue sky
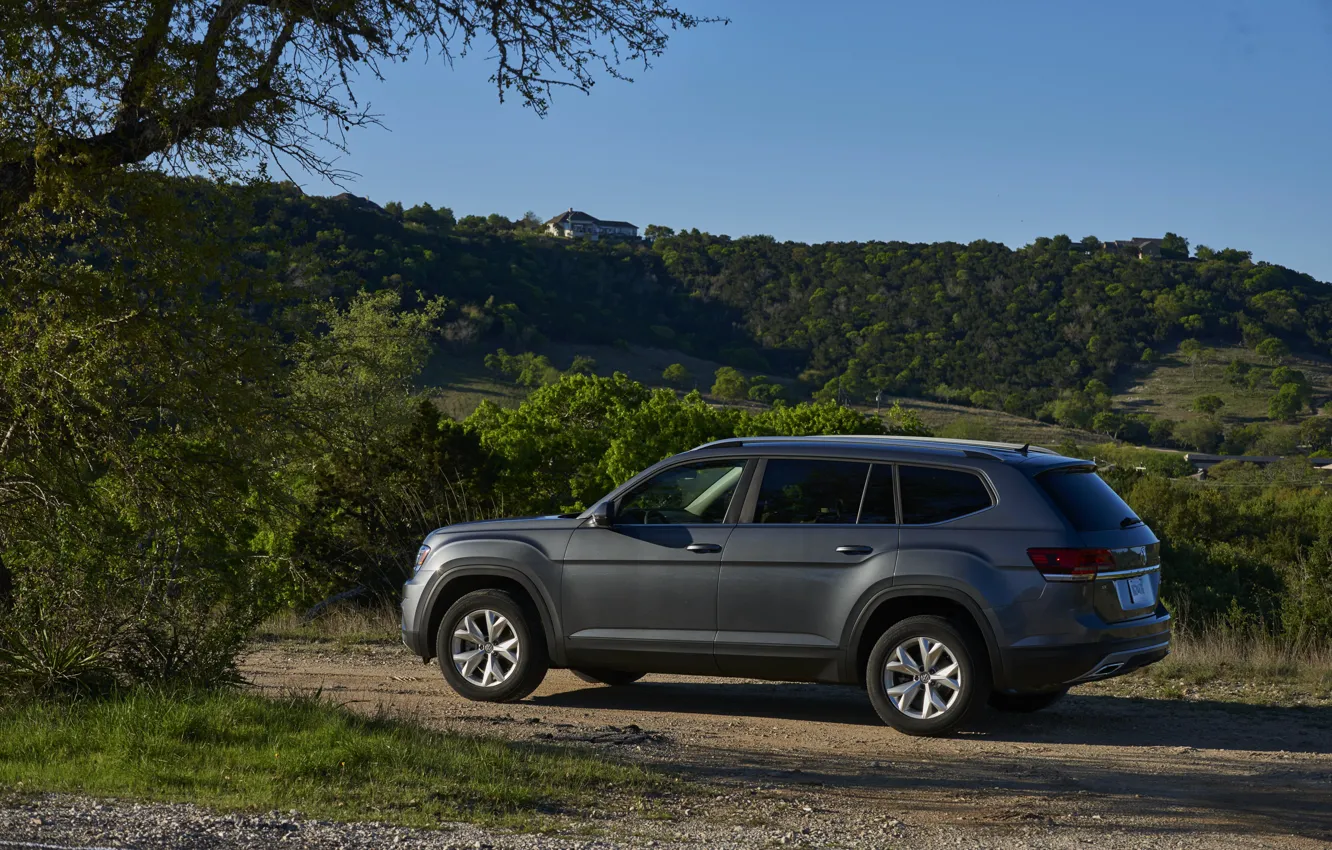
(850, 120)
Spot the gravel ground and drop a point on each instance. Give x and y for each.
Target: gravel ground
(802, 766)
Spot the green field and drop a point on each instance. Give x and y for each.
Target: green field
(238, 751)
(1169, 387)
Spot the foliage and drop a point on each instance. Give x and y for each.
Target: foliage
(1273, 574)
(526, 369)
(568, 444)
(676, 375)
(1208, 405)
(730, 384)
(237, 750)
(87, 89)
(1316, 432)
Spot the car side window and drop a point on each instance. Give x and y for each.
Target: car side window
(810, 491)
(880, 505)
(931, 494)
(688, 494)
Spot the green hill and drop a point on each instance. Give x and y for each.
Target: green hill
(1063, 331)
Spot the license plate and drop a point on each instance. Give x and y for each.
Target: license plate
(1139, 592)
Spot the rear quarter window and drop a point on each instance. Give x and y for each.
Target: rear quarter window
(1086, 500)
(932, 494)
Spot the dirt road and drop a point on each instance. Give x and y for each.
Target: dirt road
(1114, 770)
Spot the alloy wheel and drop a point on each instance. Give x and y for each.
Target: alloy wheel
(922, 678)
(485, 648)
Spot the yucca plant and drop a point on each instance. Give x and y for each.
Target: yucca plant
(44, 660)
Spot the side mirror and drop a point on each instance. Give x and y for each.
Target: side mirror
(601, 515)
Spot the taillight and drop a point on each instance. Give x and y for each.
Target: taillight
(1070, 564)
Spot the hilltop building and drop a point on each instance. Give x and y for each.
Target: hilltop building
(574, 224)
(1140, 246)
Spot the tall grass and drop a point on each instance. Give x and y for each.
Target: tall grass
(1217, 653)
(345, 624)
(235, 750)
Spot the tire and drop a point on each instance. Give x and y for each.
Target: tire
(1025, 703)
(517, 657)
(968, 688)
(614, 678)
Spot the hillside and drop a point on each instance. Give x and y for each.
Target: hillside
(1041, 332)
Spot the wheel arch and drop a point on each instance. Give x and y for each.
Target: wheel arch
(894, 604)
(460, 581)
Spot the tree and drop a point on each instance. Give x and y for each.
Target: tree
(1195, 353)
(93, 89)
(1208, 405)
(657, 231)
(676, 375)
(1316, 432)
(1174, 247)
(1205, 435)
(582, 365)
(765, 391)
(1273, 349)
(730, 384)
(1288, 401)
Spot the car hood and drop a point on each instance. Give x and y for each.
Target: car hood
(519, 524)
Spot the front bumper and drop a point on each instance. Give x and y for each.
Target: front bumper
(413, 626)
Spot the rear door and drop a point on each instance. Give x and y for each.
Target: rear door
(815, 534)
(1131, 588)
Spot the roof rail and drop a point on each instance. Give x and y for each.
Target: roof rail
(889, 440)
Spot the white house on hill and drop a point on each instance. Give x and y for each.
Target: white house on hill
(579, 225)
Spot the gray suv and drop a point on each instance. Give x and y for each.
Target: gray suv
(939, 575)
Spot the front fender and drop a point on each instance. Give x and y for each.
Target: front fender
(514, 559)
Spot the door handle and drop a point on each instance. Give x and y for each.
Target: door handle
(703, 547)
(855, 550)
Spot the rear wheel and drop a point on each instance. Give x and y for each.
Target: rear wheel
(926, 676)
(1025, 703)
(614, 678)
(489, 649)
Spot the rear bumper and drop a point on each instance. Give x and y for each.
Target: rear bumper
(1049, 667)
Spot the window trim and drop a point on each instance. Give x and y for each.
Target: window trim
(985, 482)
(732, 511)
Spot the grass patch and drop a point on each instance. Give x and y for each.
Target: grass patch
(346, 625)
(1231, 666)
(237, 751)
(1168, 387)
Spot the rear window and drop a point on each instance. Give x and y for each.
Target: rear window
(1086, 500)
(930, 494)
(804, 491)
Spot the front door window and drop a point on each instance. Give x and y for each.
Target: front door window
(688, 494)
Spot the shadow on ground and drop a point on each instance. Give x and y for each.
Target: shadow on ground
(1093, 720)
(1197, 764)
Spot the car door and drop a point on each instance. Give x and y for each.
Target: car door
(641, 594)
(816, 534)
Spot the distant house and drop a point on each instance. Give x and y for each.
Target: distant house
(1140, 247)
(574, 224)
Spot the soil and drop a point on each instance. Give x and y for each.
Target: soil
(812, 764)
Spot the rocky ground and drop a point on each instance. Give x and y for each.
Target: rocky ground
(801, 765)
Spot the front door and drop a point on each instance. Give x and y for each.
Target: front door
(820, 533)
(641, 595)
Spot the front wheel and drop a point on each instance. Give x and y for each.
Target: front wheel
(925, 676)
(489, 649)
(1025, 703)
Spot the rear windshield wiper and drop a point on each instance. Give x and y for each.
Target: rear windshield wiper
(1129, 521)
